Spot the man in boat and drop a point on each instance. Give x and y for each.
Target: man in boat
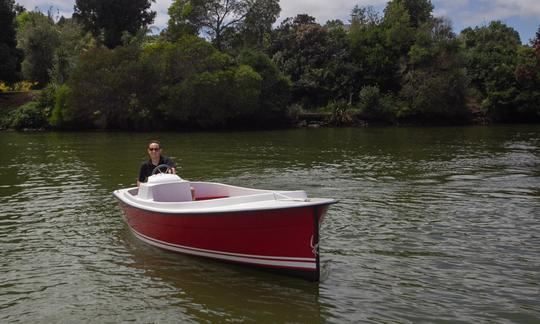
(156, 158)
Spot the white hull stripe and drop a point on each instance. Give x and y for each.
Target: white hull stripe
(287, 262)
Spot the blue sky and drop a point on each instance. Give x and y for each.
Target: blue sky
(522, 15)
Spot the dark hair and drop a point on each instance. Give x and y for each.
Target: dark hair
(154, 141)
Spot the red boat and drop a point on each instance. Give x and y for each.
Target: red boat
(276, 230)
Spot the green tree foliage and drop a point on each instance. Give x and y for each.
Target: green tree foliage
(226, 22)
(488, 48)
(377, 106)
(513, 92)
(536, 44)
(113, 89)
(398, 29)
(73, 41)
(403, 65)
(162, 85)
(375, 64)
(315, 58)
(275, 88)
(111, 18)
(202, 87)
(38, 38)
(257, 25)
(503, 71)
(410, 65)
(419, 11)
(28, 116)
(216, 18)
(217, 99)
(527, 74)
(184, 19)
(61, 116)
(434, 84)
(10, 56)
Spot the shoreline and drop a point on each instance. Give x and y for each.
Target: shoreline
(12, 101)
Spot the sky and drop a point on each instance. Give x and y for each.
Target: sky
(522, 15)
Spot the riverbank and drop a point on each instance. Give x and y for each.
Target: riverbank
(19, 111)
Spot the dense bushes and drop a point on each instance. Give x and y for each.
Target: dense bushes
(176, 85)
(113, 89)
(28, 116)
(399, 66)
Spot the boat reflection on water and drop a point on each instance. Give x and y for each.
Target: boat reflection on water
(206, 290)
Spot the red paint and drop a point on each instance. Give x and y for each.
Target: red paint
(285, 232)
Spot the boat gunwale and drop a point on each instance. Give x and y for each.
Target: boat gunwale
(180, 208)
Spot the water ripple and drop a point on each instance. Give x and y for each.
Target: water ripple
(432, 225)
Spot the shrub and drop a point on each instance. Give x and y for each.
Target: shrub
(19, 86)
(61, 115)
(23, 86)
(377, 106)
(341, 112)
(3, 87)
(275, 86)
(294, 111)
(28, 116)
(46, 100)
(114, 89)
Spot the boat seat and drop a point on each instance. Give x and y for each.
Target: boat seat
(172, 192)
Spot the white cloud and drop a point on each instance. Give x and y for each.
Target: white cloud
(161, 7)
(324, 10)
(481, 11)
(461, 12)
(65, 6)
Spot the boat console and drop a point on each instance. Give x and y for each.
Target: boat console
(163, 187)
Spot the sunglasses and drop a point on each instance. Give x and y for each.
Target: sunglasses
(153, 149)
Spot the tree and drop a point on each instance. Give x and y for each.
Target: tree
(220, 16)
(224, 21)
(38, 38)
(10, 56)
(73, 41)
(214, 18)
(275, 88)
(419, 11)
(111, 18)
(376, 64)
(364, 17)
(202, 87)
(257, 25)
(536, 44)
(112, 89)
(398, 28)
(504, 72)
(487, 48)
(527, 74)
(316, 59)
(184, 19)
(434, 84)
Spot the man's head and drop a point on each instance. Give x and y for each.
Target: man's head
(154, 148)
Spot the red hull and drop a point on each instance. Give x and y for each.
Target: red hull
(280, 239)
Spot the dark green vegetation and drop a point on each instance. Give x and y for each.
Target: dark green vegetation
(220, 65)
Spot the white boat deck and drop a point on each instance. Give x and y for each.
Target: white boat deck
(169, 194)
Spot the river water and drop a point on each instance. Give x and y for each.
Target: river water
(432, 225)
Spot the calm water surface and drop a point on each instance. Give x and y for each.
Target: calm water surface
(433, 225)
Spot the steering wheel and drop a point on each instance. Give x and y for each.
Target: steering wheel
(161, 167)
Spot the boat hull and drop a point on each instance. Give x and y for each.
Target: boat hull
(285, 240)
